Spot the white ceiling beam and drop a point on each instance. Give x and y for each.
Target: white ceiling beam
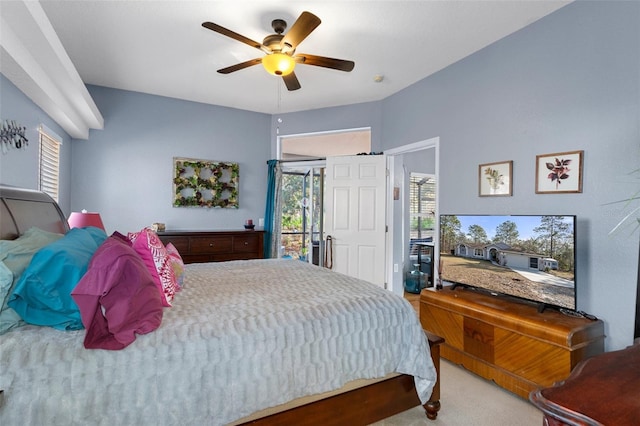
(33, 58)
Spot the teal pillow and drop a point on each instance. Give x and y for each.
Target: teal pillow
(15, 256)
(42, 296)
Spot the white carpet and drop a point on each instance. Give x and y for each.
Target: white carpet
(468, 400)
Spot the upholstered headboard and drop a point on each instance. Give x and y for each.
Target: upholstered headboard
(20, 209)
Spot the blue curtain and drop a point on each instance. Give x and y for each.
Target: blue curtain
(272, 216)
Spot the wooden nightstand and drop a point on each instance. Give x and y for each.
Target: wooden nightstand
(603, 390)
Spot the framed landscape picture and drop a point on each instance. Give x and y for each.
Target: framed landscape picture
(494, 179)
(559, 173)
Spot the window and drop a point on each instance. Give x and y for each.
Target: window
(533, 262)
(49, 160)
(422, 205)
(301, 213)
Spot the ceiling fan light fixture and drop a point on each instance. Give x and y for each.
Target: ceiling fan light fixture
(278, 64)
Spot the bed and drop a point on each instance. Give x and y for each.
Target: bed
(244, 342)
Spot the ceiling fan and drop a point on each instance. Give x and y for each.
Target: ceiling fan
(281, 59)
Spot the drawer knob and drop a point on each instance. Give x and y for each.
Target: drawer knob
(210, 244)
(246, 243)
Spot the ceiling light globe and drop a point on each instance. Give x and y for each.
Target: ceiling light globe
(278, 64)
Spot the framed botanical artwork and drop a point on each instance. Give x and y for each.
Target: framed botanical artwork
(494, 179)
(559, 173)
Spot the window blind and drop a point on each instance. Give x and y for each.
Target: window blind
(49, 161)
(422, 205)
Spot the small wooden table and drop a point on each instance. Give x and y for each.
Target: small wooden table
(603, 390)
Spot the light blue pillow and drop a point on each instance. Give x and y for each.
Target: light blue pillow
(42, 296)
(8, 317)
(15, 256)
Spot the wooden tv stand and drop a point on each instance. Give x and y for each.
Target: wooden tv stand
(507, 340)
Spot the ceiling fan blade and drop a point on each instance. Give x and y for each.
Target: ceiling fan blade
(323, 61)
(226, 32)
(304, 25)
(240, 66)
(291, 81)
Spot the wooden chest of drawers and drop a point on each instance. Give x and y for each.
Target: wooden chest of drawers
(215, 246)
(508, 341)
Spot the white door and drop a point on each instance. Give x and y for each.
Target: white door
(355, 215)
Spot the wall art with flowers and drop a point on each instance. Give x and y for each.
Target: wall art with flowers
(204, 183)
(494, 179)
(559, 173)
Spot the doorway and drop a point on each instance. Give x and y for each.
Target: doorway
(302, 211)
(397, 238)
(399, 163)
(303, 164)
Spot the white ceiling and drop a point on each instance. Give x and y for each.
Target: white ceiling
(160, 47)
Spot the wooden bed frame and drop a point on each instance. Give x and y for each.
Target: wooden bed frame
(364, 405)
(21, 209)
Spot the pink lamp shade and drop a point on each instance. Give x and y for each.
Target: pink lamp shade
(83, 219)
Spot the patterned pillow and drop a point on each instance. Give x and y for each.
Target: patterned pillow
(177, 263)
(154, 255)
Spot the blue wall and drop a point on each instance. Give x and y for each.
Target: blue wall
(20, 167)
(570, 81)
(125, 171)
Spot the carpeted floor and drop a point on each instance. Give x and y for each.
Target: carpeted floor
(468, 400)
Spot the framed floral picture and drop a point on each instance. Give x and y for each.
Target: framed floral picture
(494, 179)
(559, 173)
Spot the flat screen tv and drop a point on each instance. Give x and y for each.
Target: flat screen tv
(530, 257)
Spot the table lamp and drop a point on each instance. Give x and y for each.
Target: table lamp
(83, 218)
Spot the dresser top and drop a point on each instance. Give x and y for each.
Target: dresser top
(200, 232)
(600, 390)
(512, 314)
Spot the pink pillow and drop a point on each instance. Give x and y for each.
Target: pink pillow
(177, 263)
(154, 255)
(117, 297)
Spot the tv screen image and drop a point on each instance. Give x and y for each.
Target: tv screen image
(530, 257)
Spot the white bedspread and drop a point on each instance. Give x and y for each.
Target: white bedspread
(241, 336)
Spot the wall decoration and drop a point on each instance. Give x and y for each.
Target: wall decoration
(559, 173)
(494, 179)
(12, 135)
(204, 183)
